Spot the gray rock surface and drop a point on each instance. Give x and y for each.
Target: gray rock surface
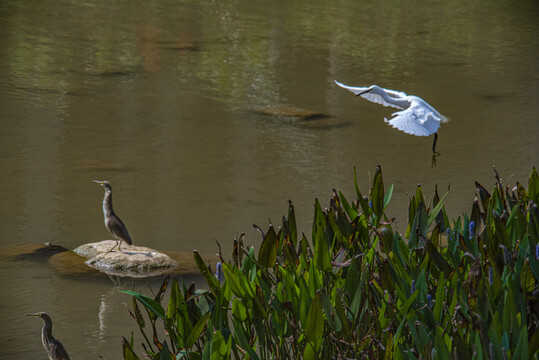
(131, 260)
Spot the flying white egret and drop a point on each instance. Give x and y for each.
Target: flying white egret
(417, 116)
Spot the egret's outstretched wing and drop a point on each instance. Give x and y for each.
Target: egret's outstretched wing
(416, 120)
(377, 95)
(354, 89)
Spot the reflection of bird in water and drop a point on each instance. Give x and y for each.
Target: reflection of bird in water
(54, 348)
(417, 116)
(112, 222)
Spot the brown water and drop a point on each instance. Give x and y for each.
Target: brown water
(160, 98)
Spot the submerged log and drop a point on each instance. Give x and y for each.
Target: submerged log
(37, 252)
(290, 111)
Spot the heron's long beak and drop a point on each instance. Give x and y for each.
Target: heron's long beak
(32, 314)
(97, 182)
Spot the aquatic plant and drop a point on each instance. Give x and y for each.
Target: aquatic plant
(465, 289)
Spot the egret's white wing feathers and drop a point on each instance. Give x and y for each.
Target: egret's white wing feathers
(378, 99)
(416, 120)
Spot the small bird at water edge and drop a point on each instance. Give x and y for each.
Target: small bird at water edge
(112, 222)
(53, 347)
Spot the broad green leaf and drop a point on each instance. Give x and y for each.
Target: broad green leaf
(260, 306)
(403, 313)
(309, 353)
(220, 347)
(421, 285)
(356, 304)
(197, 330)
(521, 351)
(364, 204)
(441, 349)
(377, 192)
(173, 301)
(351, 212)
(128, 353)
(331, 317)
(533, 186)
(233, 281)
(439, 261)
(138, 316)
(292, 227)
(267, 255)
(314, 280)
(215, 287)
(434, 212)
(241, 339)
(165, 352)
(148, 303)
(387, 197)
(239, 310)
(352, 278)
(314, 328)
(207, 350)
(389, 348)
(419, 226)
(412, 210)
(438, 306)
(322, 257)
(345, 330)
(516, 225)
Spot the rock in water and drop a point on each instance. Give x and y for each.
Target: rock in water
(131, 260)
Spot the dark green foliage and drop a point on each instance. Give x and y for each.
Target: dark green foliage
(358, 289)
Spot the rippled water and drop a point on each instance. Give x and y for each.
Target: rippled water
(169, 101)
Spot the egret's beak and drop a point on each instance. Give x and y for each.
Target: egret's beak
(361, 93)
(97, 182)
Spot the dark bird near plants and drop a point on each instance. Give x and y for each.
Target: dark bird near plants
(53, 347)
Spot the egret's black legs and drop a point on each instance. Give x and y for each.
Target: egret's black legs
(433, 163)
(434, 153)
(434, 143)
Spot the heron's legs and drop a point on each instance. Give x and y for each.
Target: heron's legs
(118, 244)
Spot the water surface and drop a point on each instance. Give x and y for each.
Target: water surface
(162, 98)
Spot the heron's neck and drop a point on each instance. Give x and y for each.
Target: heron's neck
(46, 335)
(107, 204)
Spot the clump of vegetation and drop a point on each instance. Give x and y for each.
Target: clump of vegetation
(466, 289)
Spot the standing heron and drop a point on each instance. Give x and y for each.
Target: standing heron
(112, 222)
(417, 116)
(53, 347)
